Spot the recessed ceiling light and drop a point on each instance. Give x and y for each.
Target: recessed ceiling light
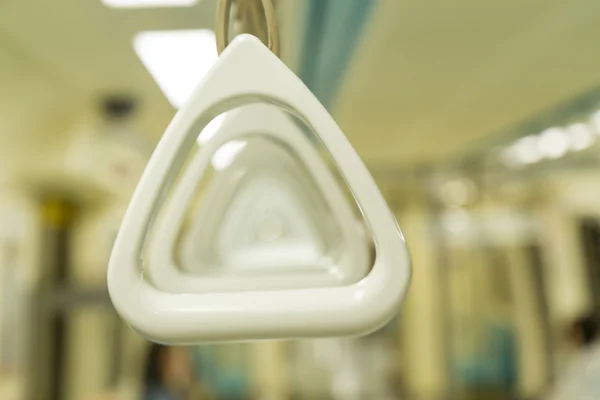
(553, 143)
(581, 136)
(148, 3)
(526, 150)
(177, 60)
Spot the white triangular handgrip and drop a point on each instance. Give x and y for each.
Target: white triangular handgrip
(270, 122)
(245, 71)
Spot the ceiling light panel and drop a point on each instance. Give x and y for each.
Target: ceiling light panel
(177, 60)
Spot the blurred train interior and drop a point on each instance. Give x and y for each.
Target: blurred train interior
(480, 122)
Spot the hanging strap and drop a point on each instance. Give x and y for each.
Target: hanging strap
(249, 12)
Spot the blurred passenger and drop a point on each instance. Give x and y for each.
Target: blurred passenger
(581, 379)
(169, 374)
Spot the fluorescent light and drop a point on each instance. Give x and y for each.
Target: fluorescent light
(553, 143)
(526, 150)
(177, 60)
(148, 3)
(580, 136)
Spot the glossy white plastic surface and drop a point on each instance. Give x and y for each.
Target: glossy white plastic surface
(247, 70)
(260, 180)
